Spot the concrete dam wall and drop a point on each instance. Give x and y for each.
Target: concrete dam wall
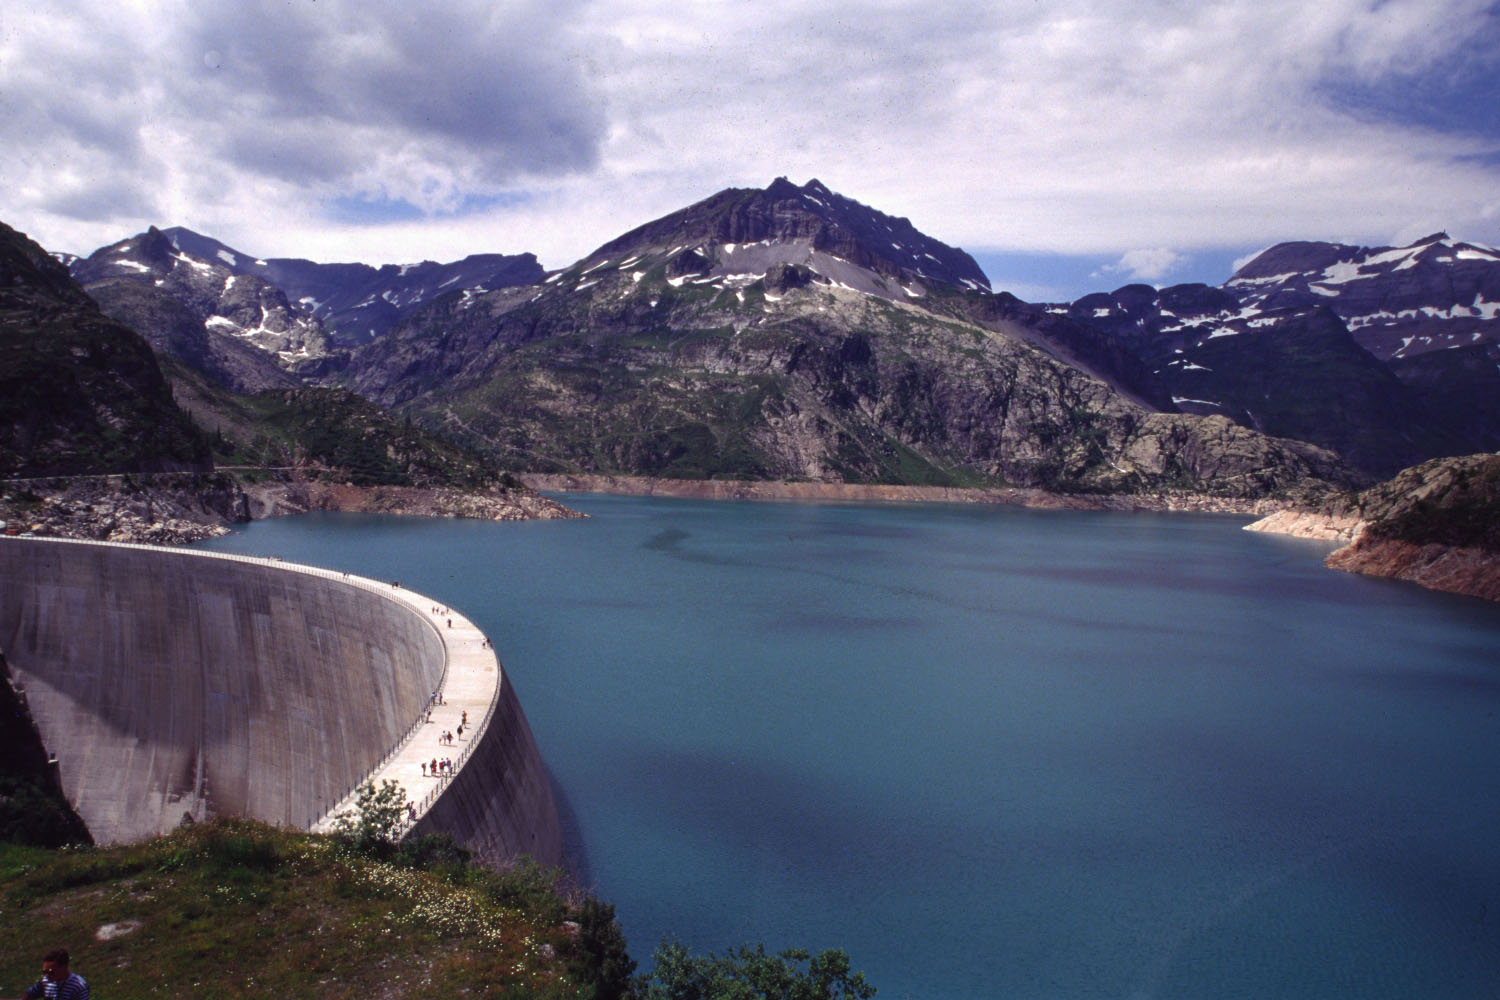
(500, 804)
(172, 683)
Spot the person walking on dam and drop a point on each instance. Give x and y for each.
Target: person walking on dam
(56, 980)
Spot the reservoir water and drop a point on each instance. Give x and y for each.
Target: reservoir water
(993, 752)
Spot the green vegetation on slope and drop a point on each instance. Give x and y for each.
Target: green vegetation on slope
(239, 909)
(330, 429)
(233, 908)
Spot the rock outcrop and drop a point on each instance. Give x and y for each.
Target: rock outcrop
(157, 510)
(1436, 524)
(79, 392)
(496, 504)
(1474, 572)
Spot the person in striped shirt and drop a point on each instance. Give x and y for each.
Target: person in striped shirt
(57, 983)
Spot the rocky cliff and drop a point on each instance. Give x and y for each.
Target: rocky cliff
(79, 392)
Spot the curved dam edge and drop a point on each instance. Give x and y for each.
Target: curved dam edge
(173, 683)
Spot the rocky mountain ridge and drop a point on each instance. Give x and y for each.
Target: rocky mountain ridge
(357, 302)
(668, 353)
(755, 284)
(79, 391)
(240, 305)
(1386, 355)
(744, 232)
(252, 324)
(1432, 295)
(81, 396)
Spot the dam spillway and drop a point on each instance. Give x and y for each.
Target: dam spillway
(172, 683)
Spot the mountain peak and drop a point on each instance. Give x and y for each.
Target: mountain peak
(796, 224)
(782, 188)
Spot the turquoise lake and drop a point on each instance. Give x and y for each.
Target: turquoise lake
(993, 752)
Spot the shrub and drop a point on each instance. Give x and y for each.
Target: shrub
(601, 967)
(748, 973)
(375, 821)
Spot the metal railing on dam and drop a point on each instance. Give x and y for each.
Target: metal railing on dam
(303, 692)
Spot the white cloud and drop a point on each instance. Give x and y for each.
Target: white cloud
(1146, 265)
(1240, 262)
(1084, 127)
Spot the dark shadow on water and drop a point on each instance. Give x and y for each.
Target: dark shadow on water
(575, 851)
(813, 833)
(665, 541)
(611, 603)
(821, 624)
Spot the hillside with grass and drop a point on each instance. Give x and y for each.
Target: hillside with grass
(238, 909)
(235, 909)
(328, 430)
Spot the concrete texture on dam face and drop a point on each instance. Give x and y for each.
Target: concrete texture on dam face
(171, 683)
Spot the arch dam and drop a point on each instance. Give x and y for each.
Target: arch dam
(172, 683)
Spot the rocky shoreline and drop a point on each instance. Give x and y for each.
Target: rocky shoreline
(1454, 569)
(499, 504)
(1467, 570)
(1436, 525)
(180, 508)
(726, 489)
(1323, 526)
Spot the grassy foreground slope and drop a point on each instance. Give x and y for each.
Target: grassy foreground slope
(239, 909)
(234, 908)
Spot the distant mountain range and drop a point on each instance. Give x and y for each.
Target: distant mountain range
(291, 307)
(791, 332)
(1386, 355)
(794, 334)
(1399, 302)
(356, 302)
(82, 392)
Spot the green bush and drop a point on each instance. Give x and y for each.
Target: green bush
(749, 973)
(601, 967)
(373, 824)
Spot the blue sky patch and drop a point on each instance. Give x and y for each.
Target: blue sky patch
(1457, 96)
(367, 211)
(1048, 277)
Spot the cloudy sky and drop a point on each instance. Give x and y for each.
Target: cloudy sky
(1070, 145)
